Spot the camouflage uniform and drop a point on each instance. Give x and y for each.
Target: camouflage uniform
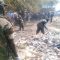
(7, 29)
(4, 22)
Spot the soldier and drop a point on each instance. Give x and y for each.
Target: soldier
(52, 14)
(41, 26)
(2, 12)
(20, 22)
(7, 29)
(15, 16)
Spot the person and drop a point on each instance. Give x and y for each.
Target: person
(52, 14)
(41, 26)
(20, 22)
(8, 31)
(15, 17)
(2, 12)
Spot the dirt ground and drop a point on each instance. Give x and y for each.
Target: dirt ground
(38, 47)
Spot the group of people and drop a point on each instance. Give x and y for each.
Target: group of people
(17, 20)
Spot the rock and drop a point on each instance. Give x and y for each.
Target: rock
(58, 46)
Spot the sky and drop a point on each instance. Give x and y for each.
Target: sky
(57, 6)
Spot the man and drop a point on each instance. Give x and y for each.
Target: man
(52, 14)
(15, 16)
(20, 22)
(41, 26)
(8, 31)
(2, 12)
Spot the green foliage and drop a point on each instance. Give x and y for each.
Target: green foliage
(14, 5)
(33, 5)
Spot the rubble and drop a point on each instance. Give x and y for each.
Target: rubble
(38, 47)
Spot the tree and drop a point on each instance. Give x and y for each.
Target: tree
(32, 5)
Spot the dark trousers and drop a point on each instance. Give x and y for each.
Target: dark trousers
(40, 29)
(21, 26)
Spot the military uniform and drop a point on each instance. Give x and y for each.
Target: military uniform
(41, 26)
(4, 22)
(7, 30)
(20, 22)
